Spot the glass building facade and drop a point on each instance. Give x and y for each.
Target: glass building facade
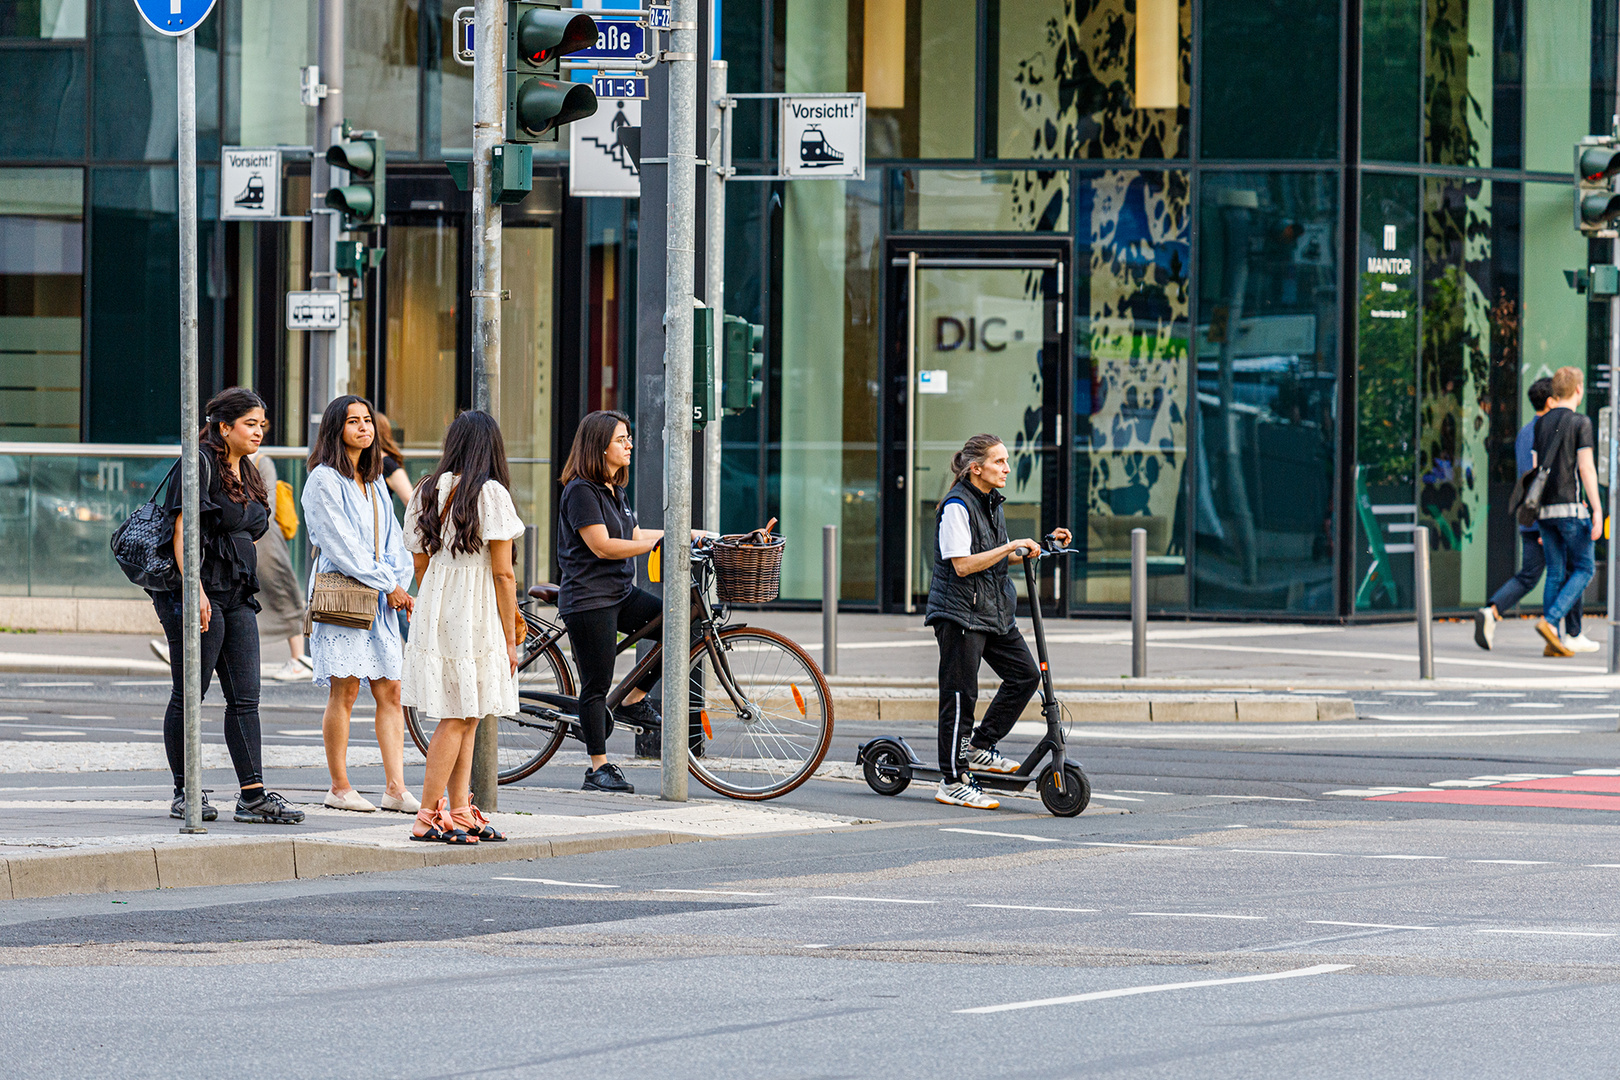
(1264, 278)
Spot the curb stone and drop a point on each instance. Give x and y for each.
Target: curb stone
(1293, 709)
(247, 862)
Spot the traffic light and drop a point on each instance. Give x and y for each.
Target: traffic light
(363, 200)
(354, 258)
(1597, 204)
(744, 376)
(539, 99)
(702, 367)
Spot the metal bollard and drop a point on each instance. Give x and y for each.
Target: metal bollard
(829, 599)
(1138, 603)
(531, 555)
(1424, 598)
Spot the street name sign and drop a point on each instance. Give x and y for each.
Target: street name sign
(824, 136)
(658, 17)
(616, 39)
(619, 86)
(249, 184)
(174, 17)
(314, 310)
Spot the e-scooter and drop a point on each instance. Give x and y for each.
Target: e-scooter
(890, 764)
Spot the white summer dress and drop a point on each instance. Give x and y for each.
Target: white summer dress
(455, 660)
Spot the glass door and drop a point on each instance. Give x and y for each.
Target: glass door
(979, 341)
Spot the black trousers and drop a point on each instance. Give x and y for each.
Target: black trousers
(594, 635)
(230, 647)
(960, 651)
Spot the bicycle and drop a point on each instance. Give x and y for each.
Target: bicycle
(759, 712)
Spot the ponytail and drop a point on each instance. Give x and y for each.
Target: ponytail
(976, 451)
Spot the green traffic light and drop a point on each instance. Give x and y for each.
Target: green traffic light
(358, 156)
(1600, 208)
(355, 201)
(540, 106)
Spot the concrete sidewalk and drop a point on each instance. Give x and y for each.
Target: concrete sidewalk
(79, 839)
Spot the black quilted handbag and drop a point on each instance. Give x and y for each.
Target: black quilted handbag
(144, 543)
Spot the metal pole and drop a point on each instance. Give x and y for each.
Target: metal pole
(714, 265)
(1613, 597)
(325, 224)
(678, 282)
(829, 599)
(1425, 601)
(191, 586)
(489, 37)
(906, 498)
(1138, 603)
(531, 556)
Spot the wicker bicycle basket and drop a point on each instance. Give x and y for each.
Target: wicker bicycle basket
(747, 571)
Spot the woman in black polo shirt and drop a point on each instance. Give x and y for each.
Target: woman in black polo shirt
(597, 546)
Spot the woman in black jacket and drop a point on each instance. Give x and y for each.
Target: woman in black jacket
(234, 511)
(972, 607)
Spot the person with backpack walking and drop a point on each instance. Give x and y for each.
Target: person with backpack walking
(1564, 442)
(352, 525)
(462, 657)
(234, 511)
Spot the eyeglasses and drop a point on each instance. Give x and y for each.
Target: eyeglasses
(622, 440)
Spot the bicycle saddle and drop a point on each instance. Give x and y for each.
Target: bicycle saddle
(545, 592)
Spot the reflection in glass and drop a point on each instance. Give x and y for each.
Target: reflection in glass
(914, 59)
(1458, 93)
(1130, 394)
(380, 76)
(52, 20)
(1066, 80)
(422, 268)
(970, 200)
(454, 81)
(1558, 86)
(527, 331)
(266, 45)
(1391, 51)
(41, 303)
(1267, 353)
(44, 94)
(133, 86)
(1270, 79)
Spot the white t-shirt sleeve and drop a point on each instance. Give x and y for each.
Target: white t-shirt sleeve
(955, 536)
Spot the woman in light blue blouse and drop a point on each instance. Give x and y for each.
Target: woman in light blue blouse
(350, 518)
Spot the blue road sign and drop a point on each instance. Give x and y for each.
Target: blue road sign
(174, 17)
(619, 86)
(615, 40)
(658, 17)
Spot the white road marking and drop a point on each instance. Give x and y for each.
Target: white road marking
(1584, 669)
(1603, 865)
(1274, 851)
(1368, 925)
(1557, 933)
(1409, 693)
(1008, 835)
(1128, 791)
(1450, 704)
(301, 734)
(1408, 857)
(816, 946)
(1511, 862)
(146, 682)
(84, 716)
(1269, 732)
(1116, 798)
(1024, 907)
(1129, 991)
(550, 881)
(1597, 772)
(49, 734)
(874, 899)
(1197, 915)
(1407, 717)
(1495, 693)
(1150, 847)
(56, 684)
(1263, 798)
(715, 892)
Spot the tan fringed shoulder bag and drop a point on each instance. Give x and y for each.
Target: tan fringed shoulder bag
(340, 600)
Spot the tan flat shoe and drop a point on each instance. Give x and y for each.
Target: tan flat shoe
(402, 804)
(350, 800)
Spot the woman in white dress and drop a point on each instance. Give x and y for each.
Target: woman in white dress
(461, 661)
(350, 517)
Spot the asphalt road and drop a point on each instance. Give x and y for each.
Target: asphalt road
(1271, 904)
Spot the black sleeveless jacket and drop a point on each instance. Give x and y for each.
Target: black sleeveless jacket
(985, 601)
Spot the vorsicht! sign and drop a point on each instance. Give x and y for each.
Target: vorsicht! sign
(824, 136)
(249, 184)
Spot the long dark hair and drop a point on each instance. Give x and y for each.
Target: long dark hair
(386, 442)
(329, 449)
(227, 407)
(587, 458)
(976, 451)
(476, 453)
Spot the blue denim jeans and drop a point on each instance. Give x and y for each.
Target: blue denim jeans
(1566, 543)
(1531, 567)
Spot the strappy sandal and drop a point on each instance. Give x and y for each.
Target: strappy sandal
(441, 826)
(473, 820)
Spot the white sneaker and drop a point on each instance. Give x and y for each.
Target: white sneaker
(305, 662)
(1580, 643)
(291, 671)
(160, 649)
(980, 760)
(351, 800)
(403, 804)
(964, 792)
(1485, 627)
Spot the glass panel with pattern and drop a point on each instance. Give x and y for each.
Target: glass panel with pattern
(915, 59)
(1132, 299)
(963, 200)
(1458, 94)
(1109, 79)
(41, 303)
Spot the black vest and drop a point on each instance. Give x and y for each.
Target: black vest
(985, 601)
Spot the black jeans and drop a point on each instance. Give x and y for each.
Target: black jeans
(594, 635)
(960, 651)
(230, 646)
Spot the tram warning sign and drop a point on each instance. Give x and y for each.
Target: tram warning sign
(824, 136)
(321, 310)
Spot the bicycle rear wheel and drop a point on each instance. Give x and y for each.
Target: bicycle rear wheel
(773, 738)
(528, 739)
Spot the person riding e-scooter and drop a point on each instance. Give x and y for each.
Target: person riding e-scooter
(972, 607)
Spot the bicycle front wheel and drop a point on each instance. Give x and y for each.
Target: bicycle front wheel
(528, 739)
(761, 715)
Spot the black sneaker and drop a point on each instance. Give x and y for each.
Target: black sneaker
(267, 809)
(644, 714)
(177, 809)
(608, 778)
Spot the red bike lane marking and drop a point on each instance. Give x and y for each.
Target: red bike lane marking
(1564, 783)
(1497, 797)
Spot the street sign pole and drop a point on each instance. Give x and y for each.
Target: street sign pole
(489, 67)
(714, 265)
(327, 349)
(191, 595)
(678, 284)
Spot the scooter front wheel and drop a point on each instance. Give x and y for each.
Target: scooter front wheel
(887, 770)
(1074, 797)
